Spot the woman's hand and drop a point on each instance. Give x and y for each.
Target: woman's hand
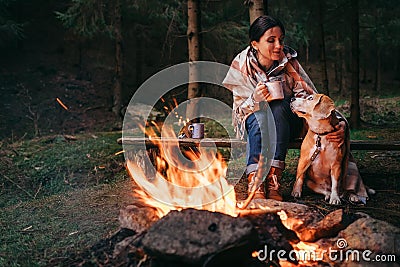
(260, 93)
(338, 135)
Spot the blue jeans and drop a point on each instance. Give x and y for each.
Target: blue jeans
(262, 138)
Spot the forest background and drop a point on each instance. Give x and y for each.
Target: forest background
(68, 50)
(68, 69)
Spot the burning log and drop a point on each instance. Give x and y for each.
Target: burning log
(308, 224)
(329, 226)
(273, 234)
(144, 160)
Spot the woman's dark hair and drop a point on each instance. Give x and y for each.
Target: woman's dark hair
(261, 25)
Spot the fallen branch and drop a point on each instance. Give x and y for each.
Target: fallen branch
(17, 185)
(37, 192)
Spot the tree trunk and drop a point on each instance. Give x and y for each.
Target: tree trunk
(194, 42)
(378, 49)
(342, 75)
(355, 120)
(378, 75)
(337, 60)
(364, 73)
(266, 11)
(117, 90)
(322, 32)
(307, 54)
(139, 56)
(256, 8)
(80, 73)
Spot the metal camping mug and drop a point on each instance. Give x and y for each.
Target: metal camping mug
(196, 130)
(275, 90)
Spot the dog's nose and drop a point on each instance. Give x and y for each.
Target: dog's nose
(292, 99)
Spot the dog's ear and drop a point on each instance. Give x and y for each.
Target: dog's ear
(333, 118)
(326, 106)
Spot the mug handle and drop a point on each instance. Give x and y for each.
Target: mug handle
(190, 128)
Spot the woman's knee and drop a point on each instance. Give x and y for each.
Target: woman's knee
(281, 110)
(257, 122)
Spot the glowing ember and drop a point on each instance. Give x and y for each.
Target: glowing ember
(288, 222)
(61, 103)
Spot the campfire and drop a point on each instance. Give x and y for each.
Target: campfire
(186, 214)
(190, 181)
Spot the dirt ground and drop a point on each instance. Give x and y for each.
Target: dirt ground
(28, 108)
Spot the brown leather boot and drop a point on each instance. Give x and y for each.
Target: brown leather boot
(273, 178)
(260, 192)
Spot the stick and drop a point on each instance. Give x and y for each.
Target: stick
(258, 181)
(37, 192)
(29, 194)
(246, 212)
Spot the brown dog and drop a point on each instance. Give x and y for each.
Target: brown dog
(324, 162)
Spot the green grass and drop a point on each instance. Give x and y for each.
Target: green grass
(340, 102)
(388, 134)
(50, 165)
(58, 197)
(37, 232)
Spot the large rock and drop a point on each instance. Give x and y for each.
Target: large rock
(372, 234)
(137, 217)
(362, 242)
(195, 236)
(329, 226)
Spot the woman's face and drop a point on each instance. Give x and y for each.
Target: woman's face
(270, 46)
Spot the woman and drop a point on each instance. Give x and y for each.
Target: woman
(265, 63)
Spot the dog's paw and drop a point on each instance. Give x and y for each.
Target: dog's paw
(354, 198)
(296, 193)
(297, 188)
(357, 200)
(334, 200)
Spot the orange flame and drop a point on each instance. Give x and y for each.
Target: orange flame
(195, 179)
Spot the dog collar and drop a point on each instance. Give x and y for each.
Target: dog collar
(328, 132)
(324, 133)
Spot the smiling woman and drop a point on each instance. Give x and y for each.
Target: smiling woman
(264, 67)
(269, 46)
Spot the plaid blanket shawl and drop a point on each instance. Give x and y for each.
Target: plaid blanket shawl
(245, 73)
